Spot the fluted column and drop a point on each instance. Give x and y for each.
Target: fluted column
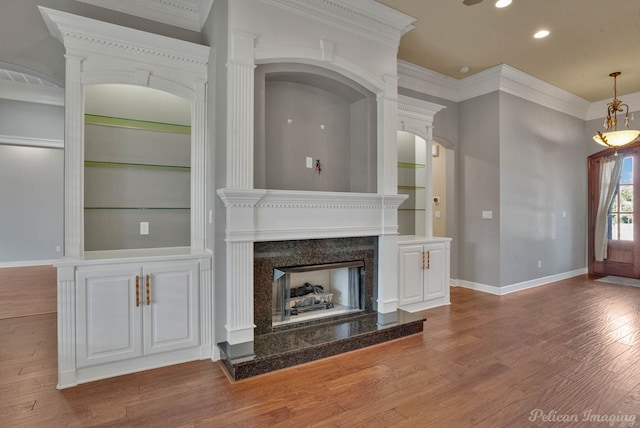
(73, 159)
(66, 327)
(240, 88)
(240, 206)
(198, 166)
(388, 185)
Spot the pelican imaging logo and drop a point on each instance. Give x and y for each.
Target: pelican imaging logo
(586, 416)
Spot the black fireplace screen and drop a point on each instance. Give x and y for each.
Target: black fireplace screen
(303, 291)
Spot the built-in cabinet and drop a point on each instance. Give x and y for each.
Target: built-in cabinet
(134, 286)
(130, 311)
(423, 260)
(423, 270)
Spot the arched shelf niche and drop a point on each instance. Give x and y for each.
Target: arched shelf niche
(415, 163)
(99, 53)
(307, 117)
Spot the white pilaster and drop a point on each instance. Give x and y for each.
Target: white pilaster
(239, 324)
(66, 327)
(206, 305)
(387, 137)
(240, 93)
(198, 165)
(73, 158)
(240, 207)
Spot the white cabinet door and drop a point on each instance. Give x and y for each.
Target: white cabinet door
(108, 322)
(434, 284)
(411, 277)
(171, 311)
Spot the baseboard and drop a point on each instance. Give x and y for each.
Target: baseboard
(27, 263)
(500, 291)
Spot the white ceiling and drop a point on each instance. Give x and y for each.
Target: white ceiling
(589, 39)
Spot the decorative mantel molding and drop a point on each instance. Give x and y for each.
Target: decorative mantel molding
(270, 215)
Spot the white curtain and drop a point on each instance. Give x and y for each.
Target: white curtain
(610, 168)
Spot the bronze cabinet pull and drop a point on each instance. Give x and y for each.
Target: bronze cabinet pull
(148, 290)
(137, 290)
(429, 259)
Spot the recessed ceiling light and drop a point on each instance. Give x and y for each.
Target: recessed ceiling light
(464, 69)
(503, 3)
(541, 34)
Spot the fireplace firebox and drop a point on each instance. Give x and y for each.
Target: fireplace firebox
(302, 282)
(302, 293)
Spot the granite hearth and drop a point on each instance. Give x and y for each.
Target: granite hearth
(286, 348)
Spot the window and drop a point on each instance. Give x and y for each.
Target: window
(621, 210)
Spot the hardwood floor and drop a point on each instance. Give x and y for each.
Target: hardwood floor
(566, 348)
(27, 291)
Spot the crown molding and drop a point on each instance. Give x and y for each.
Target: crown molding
(187, 14)
(97, 36)
(499, 78)
(420, 79)
(31, 93)
(365, 18)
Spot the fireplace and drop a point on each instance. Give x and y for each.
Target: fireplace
(306, 281)
(304, 293)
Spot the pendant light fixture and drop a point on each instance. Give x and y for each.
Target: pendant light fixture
(612, 137)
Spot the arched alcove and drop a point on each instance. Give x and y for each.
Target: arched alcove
(315, 130)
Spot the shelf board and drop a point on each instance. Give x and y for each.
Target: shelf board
(137, 208)
(411, 187)
(411, 209)
(121, 122)
(102, 164)
(410, 165)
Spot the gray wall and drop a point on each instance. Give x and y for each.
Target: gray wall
(214, 34)
(31, 186)
(543, 191)
(479, 189)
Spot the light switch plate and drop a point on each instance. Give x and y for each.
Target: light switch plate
(309, 162)
(436, 214)
(144, 228)
(487, 215)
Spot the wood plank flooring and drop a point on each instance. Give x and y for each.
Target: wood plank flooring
(27, 291)
(488, 361)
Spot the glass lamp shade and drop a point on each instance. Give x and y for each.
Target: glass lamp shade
(617, 138)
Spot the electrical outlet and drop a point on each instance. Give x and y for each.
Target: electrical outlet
(539, 263)
(144, 228)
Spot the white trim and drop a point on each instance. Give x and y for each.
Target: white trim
(364, 18)
(31, 93)
(419, 79)
(515, 82)
(501, 291)
(16, 140)
(27, 263)
(187, 14)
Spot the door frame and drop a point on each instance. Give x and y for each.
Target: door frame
(593, 164)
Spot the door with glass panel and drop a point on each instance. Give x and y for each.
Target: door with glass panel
(622, 236)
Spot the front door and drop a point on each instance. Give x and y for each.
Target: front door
(623, 248)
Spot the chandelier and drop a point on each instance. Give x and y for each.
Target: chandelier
(612, 137)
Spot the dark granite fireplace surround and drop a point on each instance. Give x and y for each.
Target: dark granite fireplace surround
(292, 344)
(275, 254)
